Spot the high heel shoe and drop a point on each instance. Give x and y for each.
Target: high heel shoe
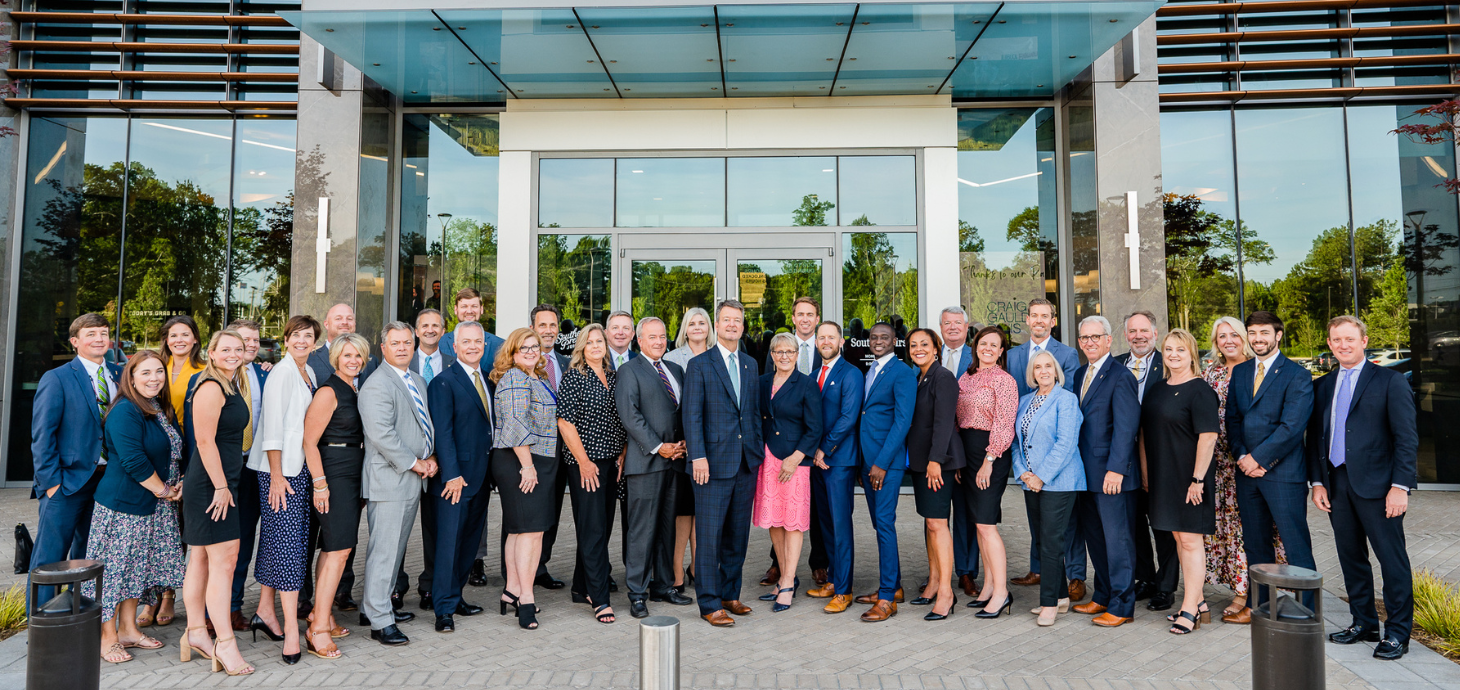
(1063, 606)
(778, 606)
(1203, 614)
(513, 603)
(1178, 629)
(1006, 608)
(188, 648)
(933, 615)
(290, 659)
(218, 664)
(526, 617)
(256, 624)
(772, 596)
(330, 653)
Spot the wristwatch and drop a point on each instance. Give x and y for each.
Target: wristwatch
(1198, 480)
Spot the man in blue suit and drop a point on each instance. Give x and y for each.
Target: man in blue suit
(834, 479)
(65, 432)
(1107, 445)
(1269, 403)
(1041, 321)
(1155, 575)
(461, 407)
(722, 428)
(340, 319)
(889, 393)
(957, 357)
(467, 306)
(1362, 463)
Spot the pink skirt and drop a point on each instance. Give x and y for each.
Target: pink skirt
(785, 505)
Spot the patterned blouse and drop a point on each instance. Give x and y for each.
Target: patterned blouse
(527, 414)
(584, 402)
(1028, 418)
(988, 400)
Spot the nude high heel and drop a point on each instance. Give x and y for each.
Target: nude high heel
(187, 647)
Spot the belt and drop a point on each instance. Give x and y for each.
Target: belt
(345, 445)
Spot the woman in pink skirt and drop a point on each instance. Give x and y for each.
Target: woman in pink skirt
(790, 406)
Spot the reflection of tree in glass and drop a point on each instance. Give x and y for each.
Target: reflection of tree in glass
(811, 212)
(968, 238)
(470, 250)
(872, 288)
(1388, 314)
(263, 244)
(788, 280)
(667, 294)
(576, 278)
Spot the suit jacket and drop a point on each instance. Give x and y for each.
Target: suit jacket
(1157, 375)
(632, 355)
(791, 419)
(393, 437)
(1381, 441)
(1112, 418)
(933, 435)
(137, 448)
(447, 359)
(715, 427)
(560, 361)
(187, 421)
(1270, 426)
(319, 361)
(767, 365)
(841, 407)
(965, 360)
(1051, 448)
(887, 412)
(489, 353)
(65, 428)
(1018, 363)
(464, 442)
(648, 414)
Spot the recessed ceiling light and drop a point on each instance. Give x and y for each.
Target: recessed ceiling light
(828, 170)
(636, 171)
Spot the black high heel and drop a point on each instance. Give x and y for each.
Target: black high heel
(933, 615)
(1006, 608)
(1203, 613)
(513, 603)
(291, 659)
(527, 617)
(257, 624)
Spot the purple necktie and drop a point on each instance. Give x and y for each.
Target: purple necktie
(1337, 453)
(667, 385)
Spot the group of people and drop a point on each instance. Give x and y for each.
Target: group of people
(179, 469)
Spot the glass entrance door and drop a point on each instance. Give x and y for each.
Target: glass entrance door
(666, 283)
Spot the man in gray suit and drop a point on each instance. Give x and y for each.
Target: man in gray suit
(428, 361)
(647, 395)
(398, 459)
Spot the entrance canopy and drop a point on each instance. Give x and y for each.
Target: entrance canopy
(460, 54)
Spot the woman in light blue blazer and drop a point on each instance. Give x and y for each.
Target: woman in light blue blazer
(1047, 462)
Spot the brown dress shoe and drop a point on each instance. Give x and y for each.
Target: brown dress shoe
(736, 607)
(239, 623)
(872, 598)
(880, 611)
(719, 619)
(1243, 617)
(970, 587)
(1089, 608)
(838, 603)
(1077, 590)
(1028, 579)
(827, 589)
(772, 576)
(1109, 620)
(820, 575)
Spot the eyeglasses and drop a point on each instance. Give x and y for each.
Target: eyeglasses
(530, 349)
(1092, 338)
(784, 353)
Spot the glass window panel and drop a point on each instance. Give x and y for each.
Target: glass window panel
(177, 227)
(670, 192)
(70, 247)
(1084, 215)
(1007, 219)
(1200, 217)
(770, 287)
(573, 272)
(877, 190)
(667, 289)
(263, 226)
(575, 193)
(781, 191)
(375, 206)
(879, 283)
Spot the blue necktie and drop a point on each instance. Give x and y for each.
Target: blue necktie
(428, 372)
(420, 412)
(871, 374)
(1337, 453)
(732, 365)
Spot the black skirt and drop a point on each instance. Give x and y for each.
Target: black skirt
(339, 529)
(524, 513)
(684, 495)
(985, 505)
(933, 505)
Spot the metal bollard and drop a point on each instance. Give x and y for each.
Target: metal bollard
(64, 637)
(1287, 636)
(659, 653)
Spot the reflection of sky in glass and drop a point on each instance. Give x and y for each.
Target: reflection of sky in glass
(1196, 158)
(193, 150)
(575, 192)
(264, 165)
(765, 191)
(883, 188)
(994, 186)
(459, 182)
(671, 192)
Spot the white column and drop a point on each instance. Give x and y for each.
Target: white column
(940, 232)
(515, 257)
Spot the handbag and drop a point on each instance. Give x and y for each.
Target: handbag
(23, 546)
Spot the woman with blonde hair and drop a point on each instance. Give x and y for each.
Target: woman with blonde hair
(696, 334)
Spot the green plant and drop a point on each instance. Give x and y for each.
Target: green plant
(1437, 610)
(12, 611)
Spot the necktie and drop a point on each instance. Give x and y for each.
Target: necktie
(667, 386)
(1338, 454)
(871, 375)
(476, 380)
(1257, 382)
(1137, 368)
(552, 370)
(248, 400)
(103, 399)
(420, 404)
(1089, 376)
(428, 372)
(731, 363)
(805, 364)
(821, 380)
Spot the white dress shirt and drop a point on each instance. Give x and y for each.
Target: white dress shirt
(619, 358)
(111, 387)
(805, 351)
(732, 366)
(1266, 363)
(435, 359)
(952, 357)
(1144, 363)
(876, 369)
(406, 375)
(1091, 375)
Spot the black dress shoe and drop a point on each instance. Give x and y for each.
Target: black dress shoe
(478, 577)
(1144, 590)
(403, 616)
(397, 601)
(580, 598)
(672, 596)
(426, 601)
(390, 636)
(465, 609)
(345, 602)
(638, 609)
(1161, 601)
(364, 620)
(1391, 649)
(444, 624)
(1356, 633)
(547, 581)
(612, 585)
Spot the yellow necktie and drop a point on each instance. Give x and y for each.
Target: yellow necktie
(1089, 376)
(476, 379)
(1257, 382)
(247, 400)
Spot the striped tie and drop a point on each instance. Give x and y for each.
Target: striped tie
(103, 400)
(420, 412)
(667, 385)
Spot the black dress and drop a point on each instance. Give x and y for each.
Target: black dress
(199, 528)
(342, 454)
(1171, 419)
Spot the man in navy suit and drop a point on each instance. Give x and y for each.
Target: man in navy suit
(722, 431)
(889, 393)
(1107, 445)
(957, 357)
(1362, 448)
(461, 407)
(340, 319)
(834, 479)
(66, 425)
(467, 305)
(619, 330)
(1269, 403)
(1041, 321)
(429, 361)
(1155, 576)
(248, 485)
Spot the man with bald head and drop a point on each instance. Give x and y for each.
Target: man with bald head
(339, 320)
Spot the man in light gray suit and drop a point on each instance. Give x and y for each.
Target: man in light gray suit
(647, 394)
(398, 459)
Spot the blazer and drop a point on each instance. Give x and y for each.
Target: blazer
(137, 447)
(286, 399)
(933, 435)
(319, 361)
(1018, 363)
(648, 414)
(631, 356)
(394, 440)
(1270, 426)
(447, 359)
(1052, 446)
(1157, 375)
(887, 412)
(1112, 418)
(65, 428)
(489, 353)
(791, 419)
(841, 407)
(965, 360)
(1381, 441)
(464, 445)
(715, 427)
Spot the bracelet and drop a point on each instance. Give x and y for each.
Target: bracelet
(526, 468)
(162, 494)
(321, 489)
(220, 488)
(1198, 480)
(320, 479)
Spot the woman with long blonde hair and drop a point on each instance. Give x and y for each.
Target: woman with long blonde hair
(696, 334)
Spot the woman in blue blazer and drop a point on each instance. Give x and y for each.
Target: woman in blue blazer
(134, 525)
(1047, 462)
(790, 406)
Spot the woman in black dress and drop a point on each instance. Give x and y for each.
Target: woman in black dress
(210, 494)
(589, 424)
(335, 452)
(1179, 428)
(934, 455)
